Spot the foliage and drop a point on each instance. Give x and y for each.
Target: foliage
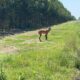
(55, 59)
(31, 14)
(2, 74)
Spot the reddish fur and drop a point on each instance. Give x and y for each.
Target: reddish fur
(43, 32)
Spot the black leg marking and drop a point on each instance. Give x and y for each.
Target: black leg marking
(40, 37)
(46, 37)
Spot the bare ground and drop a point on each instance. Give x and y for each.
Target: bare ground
(8, 49)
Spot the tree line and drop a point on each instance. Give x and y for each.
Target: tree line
(32, 14)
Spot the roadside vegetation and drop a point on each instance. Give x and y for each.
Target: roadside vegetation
(24, 57)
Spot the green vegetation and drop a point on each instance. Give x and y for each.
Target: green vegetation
(32, 14)
(23, 57)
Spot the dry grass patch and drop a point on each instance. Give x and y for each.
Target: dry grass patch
(8, 49)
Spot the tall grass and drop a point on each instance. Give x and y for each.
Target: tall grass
(2, 74)
(55, 59)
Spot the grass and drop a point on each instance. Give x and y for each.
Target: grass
(55, 59)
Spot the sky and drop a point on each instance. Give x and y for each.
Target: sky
(73, 6)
